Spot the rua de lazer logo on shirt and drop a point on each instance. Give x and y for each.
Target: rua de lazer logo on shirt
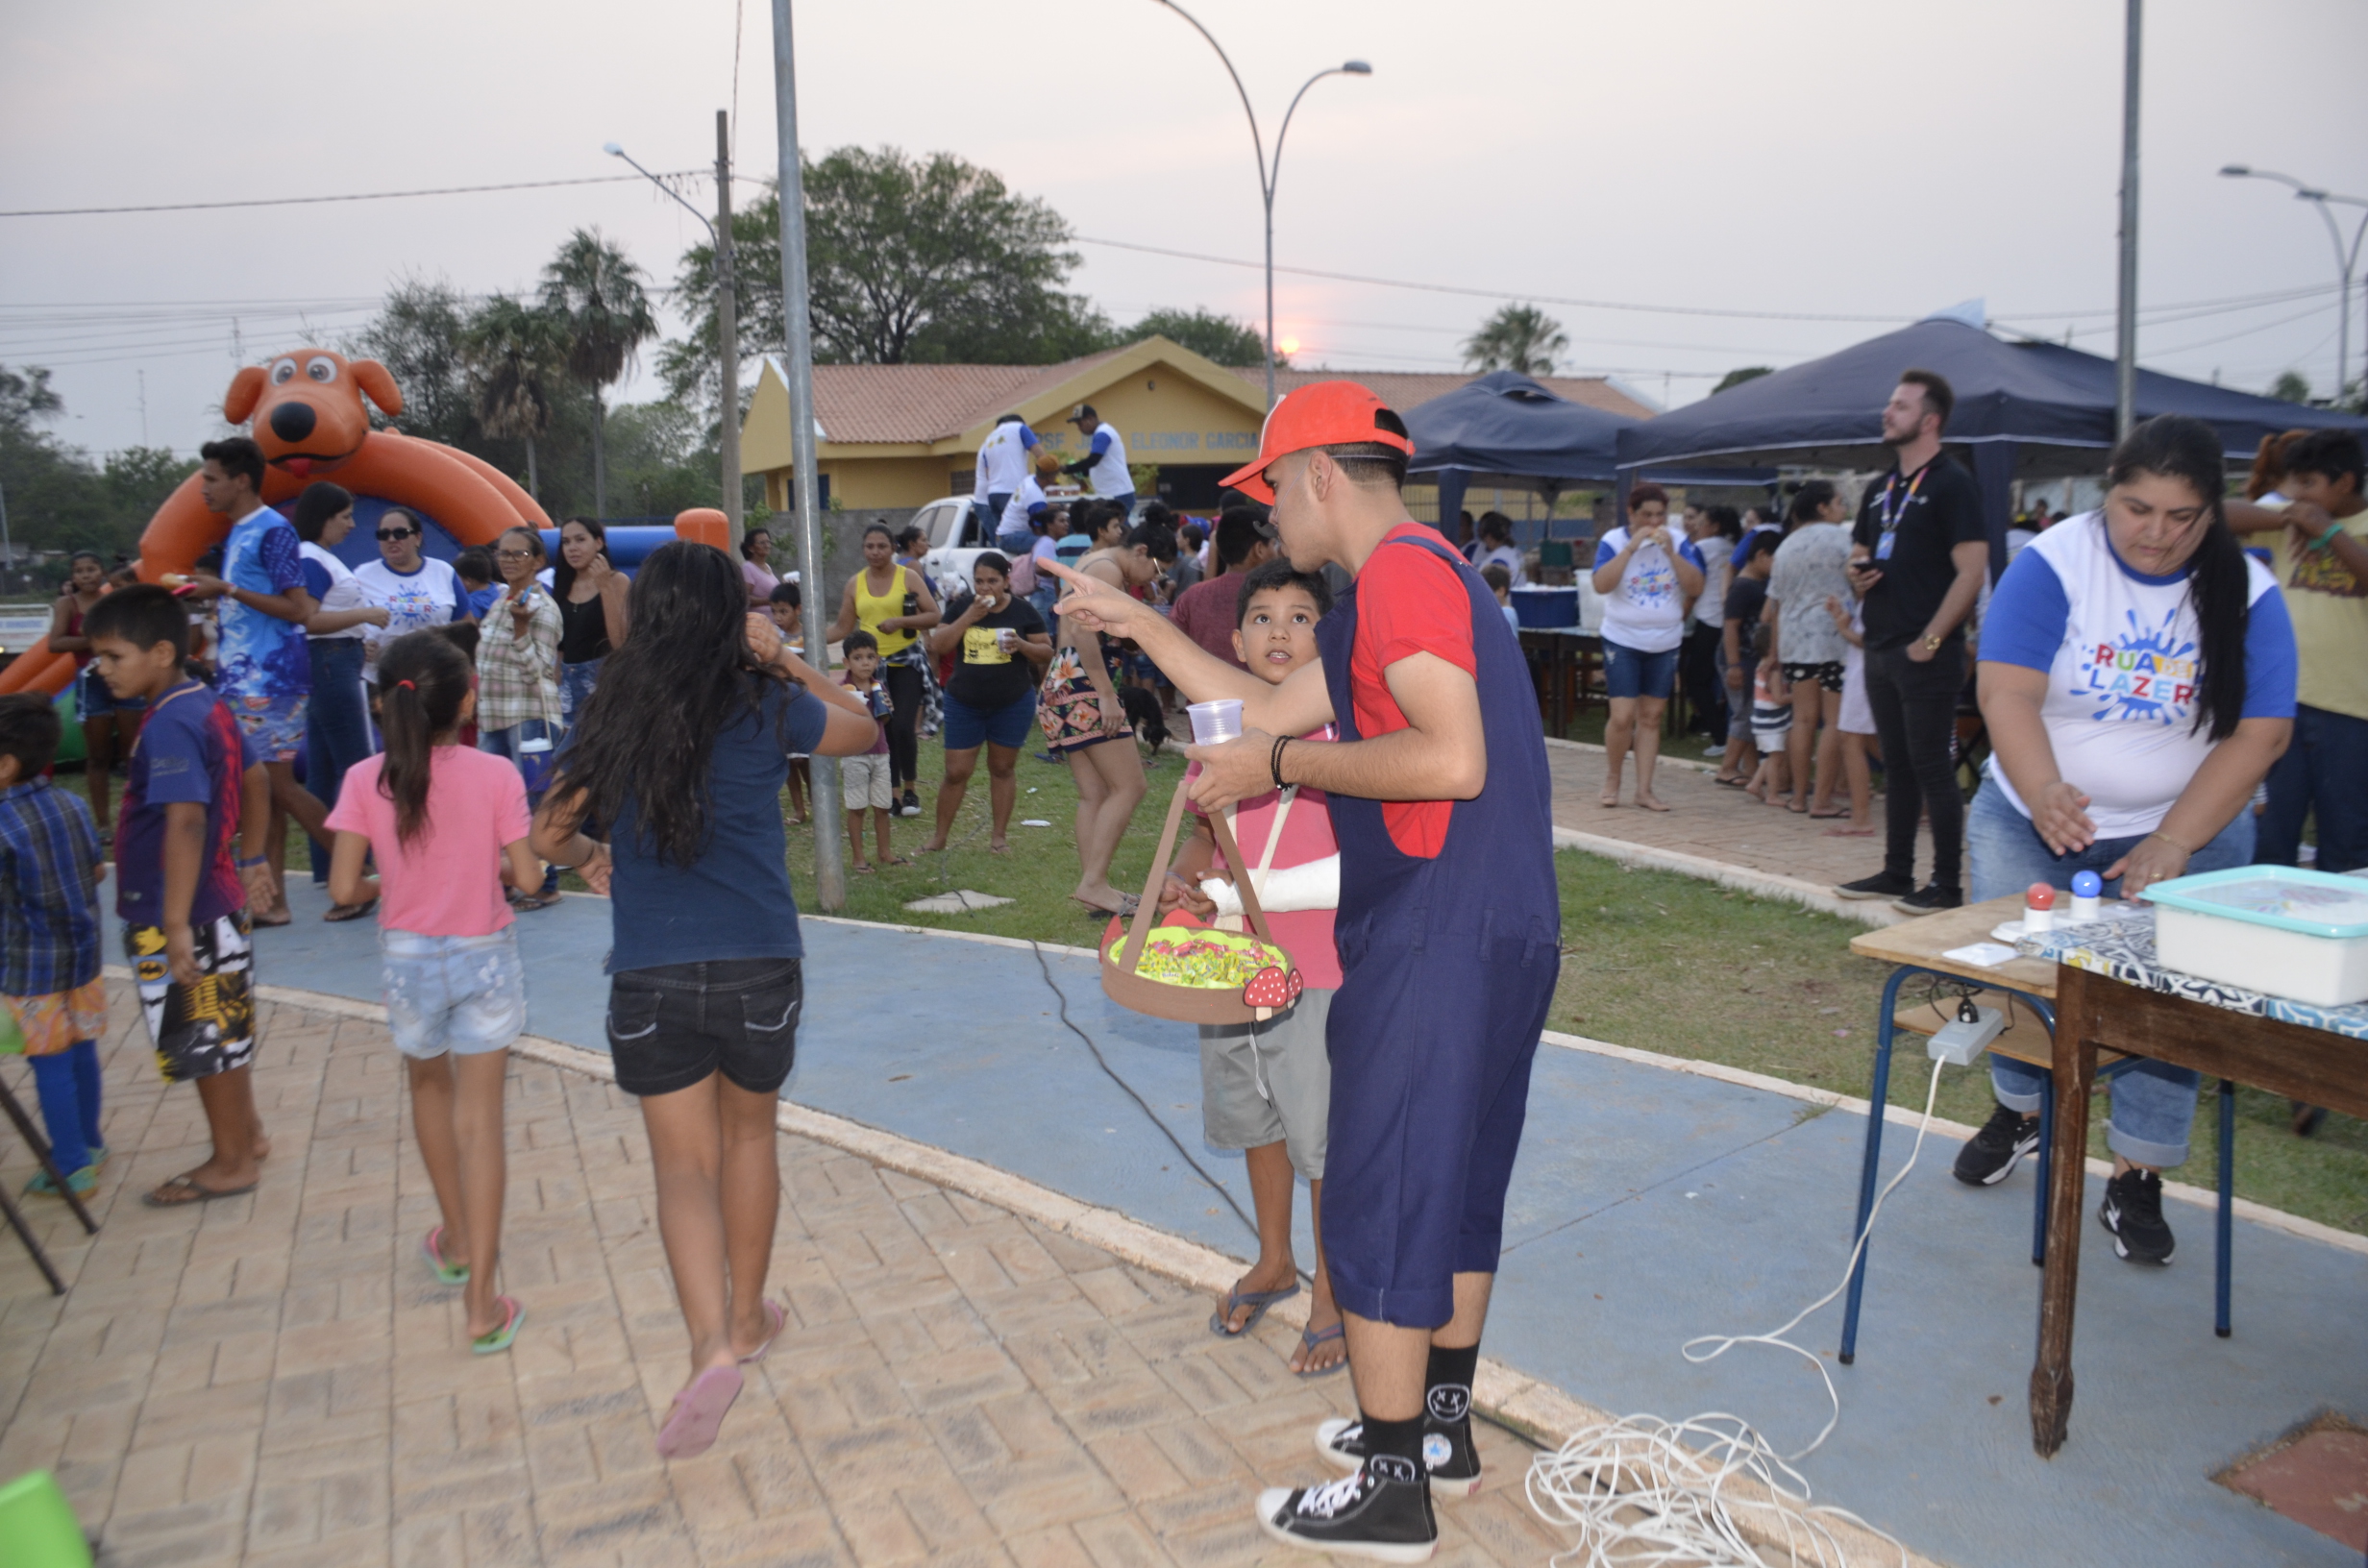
(1653, 581)
(2143, 673)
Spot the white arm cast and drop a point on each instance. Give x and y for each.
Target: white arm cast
(1282, 890)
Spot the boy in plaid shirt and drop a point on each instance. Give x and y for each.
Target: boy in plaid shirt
(49, 937)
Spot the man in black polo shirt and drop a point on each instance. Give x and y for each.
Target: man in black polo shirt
(1917, 556)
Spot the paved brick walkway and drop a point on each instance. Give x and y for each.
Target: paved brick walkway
(1712, 823)
(275, 1379)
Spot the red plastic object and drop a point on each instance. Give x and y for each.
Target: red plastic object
(2041, 896)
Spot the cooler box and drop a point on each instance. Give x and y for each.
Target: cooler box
(1546, 609)
(2274, 929)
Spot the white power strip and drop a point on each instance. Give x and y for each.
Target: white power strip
(1965, 1039)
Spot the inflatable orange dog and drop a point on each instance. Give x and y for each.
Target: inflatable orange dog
(307, 407)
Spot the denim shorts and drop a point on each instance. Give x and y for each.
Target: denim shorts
(967, 729)
(671, 1026)
(463, 994)
(1629, 673)
(93, 700)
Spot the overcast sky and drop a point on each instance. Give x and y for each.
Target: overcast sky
(1815, 157)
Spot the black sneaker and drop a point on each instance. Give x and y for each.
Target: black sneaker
(1448, 1456)
(1382, 1512)
(911, 806)
(1930, 900)
(2133, 1210)
(1989, 1157)
(1881, 885)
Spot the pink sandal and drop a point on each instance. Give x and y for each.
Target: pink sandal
(698, 1413)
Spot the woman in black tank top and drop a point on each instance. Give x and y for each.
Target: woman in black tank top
(591, 596)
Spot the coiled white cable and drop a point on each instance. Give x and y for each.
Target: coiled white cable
(1643, 1491)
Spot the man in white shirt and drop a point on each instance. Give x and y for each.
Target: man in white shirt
(1104, 467)
(1003, 463)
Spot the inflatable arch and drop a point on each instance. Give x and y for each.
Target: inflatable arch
(307, 414)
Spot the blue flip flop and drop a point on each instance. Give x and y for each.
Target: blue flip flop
(1310, 1338)
(1257, 1301)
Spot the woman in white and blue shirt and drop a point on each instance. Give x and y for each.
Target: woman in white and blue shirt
(1647, 576)
(2136, 677)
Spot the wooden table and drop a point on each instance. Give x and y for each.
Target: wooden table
(2097, 1012)
(1562, 663)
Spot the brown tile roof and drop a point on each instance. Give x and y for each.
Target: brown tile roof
(927, 402)
(1405, 389)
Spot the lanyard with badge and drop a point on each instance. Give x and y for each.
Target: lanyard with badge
(1891, 515)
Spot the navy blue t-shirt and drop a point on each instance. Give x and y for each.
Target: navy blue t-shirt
(735, 900)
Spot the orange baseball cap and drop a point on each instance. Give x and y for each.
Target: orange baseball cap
(1319, 415)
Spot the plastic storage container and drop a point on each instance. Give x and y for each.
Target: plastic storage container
(2268, 928)
(1546, 609)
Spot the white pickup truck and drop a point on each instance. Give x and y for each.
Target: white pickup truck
(955, 541)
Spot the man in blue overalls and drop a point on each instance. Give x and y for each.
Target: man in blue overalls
(1449, 937)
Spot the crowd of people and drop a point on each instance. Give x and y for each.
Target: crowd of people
(2157, 702)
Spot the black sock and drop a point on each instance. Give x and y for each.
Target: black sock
(1402, 1438)
(1447, 1386)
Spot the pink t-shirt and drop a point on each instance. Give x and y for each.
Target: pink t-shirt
(1306, 934)
(448, 881)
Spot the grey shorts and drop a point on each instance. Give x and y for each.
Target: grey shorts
(864, 781)
(1271, 1082)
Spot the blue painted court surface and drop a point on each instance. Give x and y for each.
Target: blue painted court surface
(1649, 1206)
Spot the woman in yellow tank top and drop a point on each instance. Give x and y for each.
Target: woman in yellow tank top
(893, 602)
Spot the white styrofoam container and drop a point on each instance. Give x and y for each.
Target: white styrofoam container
(2275, 929)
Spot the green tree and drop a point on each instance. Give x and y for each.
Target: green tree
(1519, 337)
(909, 260)
(597, 292)
(2290, 386)
(57, 498)
(1737, 378)
(511, 350)
(416, 335)
(1221, 338)
(140, 478)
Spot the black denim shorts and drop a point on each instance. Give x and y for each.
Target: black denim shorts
(671, 1026)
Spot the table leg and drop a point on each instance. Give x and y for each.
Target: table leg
(2075, 1074)
(2223, 1239)
(1870, 1167)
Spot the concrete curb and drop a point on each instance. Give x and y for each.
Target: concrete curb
(1787, 890)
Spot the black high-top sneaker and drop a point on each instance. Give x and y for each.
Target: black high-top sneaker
(1382, 1512)
(1448, 1456)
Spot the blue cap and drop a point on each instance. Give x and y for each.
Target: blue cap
(2087, 885)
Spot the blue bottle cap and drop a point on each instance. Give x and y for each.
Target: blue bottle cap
(2087, 885)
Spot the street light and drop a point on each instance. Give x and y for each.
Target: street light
(727, 313)
(1268, 169)
(2347, 262)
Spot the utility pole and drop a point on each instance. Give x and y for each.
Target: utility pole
(728, 327)
(829, 862)
(2125, 332)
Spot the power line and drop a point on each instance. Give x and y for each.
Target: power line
(359, 196)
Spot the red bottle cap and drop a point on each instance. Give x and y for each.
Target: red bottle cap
(2041, 896)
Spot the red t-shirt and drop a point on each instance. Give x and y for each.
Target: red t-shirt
(1206, 612)
(1408, 602)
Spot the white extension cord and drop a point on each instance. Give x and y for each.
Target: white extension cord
(1644, 1491)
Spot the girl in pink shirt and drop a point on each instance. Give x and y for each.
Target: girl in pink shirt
(447, 825)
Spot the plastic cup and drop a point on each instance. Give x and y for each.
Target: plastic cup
(1006, 639)
(1215, 721)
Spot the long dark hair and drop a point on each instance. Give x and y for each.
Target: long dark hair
(646, 736)
(320, 502)
(423, 677)
(2177, 447)
(562, 575)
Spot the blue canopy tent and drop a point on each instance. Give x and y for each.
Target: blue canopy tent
(2024, 411)
(1505, 430)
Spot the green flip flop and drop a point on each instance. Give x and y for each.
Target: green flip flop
(84, 1182)
(513, 1318)
(432, 1248)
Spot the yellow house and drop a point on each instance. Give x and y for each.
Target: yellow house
(903, 435)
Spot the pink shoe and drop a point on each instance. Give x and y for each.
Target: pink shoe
(698, 1413)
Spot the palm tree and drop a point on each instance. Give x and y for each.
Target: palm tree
(509, 345)
(1519, 337)
(597, 294)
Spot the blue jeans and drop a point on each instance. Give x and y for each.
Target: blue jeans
(336, 728)
(68, 1085)
(2154, 1103)
(2323, 770)
(505, 742)
(1048, 591)
(1630, 672)
(575, 683)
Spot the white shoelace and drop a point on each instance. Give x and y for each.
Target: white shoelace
(1325, 1501)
